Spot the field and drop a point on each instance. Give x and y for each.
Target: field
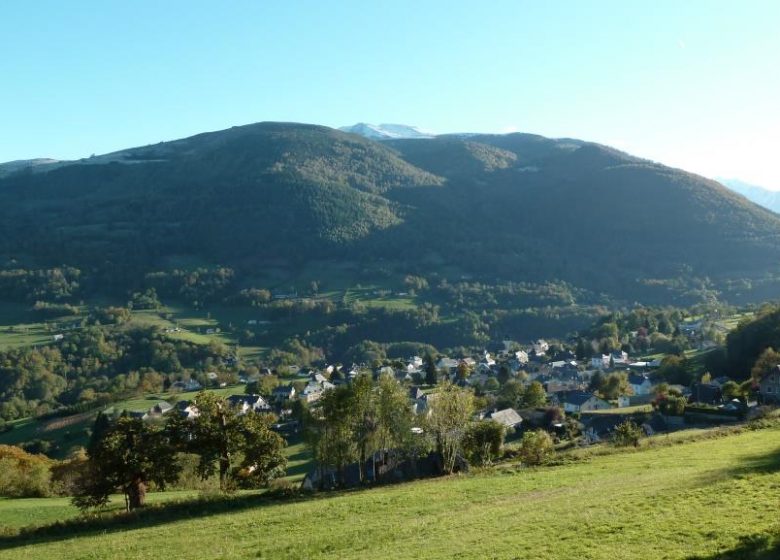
(695, 499)
(70, 431)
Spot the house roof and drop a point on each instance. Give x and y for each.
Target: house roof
(508, 417)
(284, 390)
(250, 400)
(577, 398)
(636, 378)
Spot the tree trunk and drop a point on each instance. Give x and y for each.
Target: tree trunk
(224, 470)
(362, 463)
(136, 494)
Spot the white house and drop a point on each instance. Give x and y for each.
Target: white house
(640, 384)
(600, 361)
(580, 401)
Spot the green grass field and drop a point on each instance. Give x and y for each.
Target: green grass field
(683, 500)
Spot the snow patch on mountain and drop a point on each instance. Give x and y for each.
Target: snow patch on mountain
(386, 131)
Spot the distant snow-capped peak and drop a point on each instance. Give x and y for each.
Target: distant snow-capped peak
(386, 131)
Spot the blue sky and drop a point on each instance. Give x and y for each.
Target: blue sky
(694, 84)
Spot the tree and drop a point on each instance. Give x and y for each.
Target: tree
(462, 371)
(363, 418)
(615, 385)
(431, 375)
(128, 456)
(535, 395)
(596, 380)
(228, 442)
(491, 384)
(262, 450)
(767, 362)
(483, 441)
(394, 418)
(535, 447)
(732, 390)
(671, 405)
(503, 374)
(627, 433)
(330, 431)
(451, 411)
(511, 395)
(674, 369)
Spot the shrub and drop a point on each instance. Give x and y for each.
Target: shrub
(23, 475)
(535, 447)
(627, 433)
(483, 441)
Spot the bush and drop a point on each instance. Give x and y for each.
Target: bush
(23, 475)
(536, 447)
(483, 441)
(627, 434)
(281, 488)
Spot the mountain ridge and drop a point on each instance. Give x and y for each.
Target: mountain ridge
(516, 206)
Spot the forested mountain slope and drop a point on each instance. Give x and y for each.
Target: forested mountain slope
(514, 206)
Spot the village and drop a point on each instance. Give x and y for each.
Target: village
(540, 385)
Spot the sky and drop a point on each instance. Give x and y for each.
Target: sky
(692, 84)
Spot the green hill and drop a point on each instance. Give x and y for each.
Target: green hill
(518, 206)
(707, 499)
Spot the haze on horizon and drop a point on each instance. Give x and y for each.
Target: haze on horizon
(692, 85)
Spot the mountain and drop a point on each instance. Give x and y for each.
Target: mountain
(763, 197)
(281, 196)
(385, 131)
(16, 166)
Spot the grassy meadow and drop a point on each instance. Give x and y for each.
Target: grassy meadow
(700, 498)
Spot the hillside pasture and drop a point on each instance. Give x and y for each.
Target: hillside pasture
(701, 499)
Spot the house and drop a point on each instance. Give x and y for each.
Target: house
(283, 393)
(565, 355)
(313, 390)
(640, 384)
(160, 408)
(186, 409)
(415, 361)
(508, 417)
(487, 359)
(248, 403)
(690, 329)
(600, 361)
(415, 393)
(540, 347)
(619, 357)
(447, 364)
(769, 386)
(721, 381)
(707, 393)
(522, 357)
(579, 401)
(188, 385)
(58, 337)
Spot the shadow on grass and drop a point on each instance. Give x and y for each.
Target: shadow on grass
(149, 516)
(752, 547)
(763, 463)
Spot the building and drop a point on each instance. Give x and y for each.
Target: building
(508, 417)
(579, 401)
